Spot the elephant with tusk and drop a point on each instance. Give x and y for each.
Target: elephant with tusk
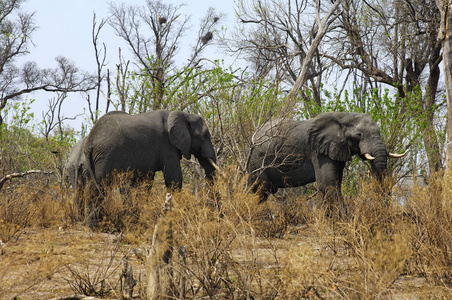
(291, 153)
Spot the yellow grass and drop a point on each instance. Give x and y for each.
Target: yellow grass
(227, 246)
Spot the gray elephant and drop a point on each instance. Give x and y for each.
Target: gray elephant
(148, 142)
(290, 153)
(79, 175)
(77, 166)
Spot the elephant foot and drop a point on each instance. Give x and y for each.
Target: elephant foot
(93, 217)
(337, 210)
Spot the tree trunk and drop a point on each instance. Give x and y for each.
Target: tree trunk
(431, 142)
(447, 60)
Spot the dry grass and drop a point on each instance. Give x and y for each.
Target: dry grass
(282, 249)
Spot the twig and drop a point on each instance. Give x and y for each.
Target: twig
(14, 175)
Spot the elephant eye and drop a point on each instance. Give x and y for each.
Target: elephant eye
(359, 135)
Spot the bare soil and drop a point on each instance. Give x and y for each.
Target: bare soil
(57, 263)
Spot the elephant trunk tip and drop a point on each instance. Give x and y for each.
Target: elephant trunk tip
(379, 162)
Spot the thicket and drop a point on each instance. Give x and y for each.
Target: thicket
(242, 250)
(285, 248)
(280, 249)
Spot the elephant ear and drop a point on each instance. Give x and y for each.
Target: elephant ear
(327, 137)
(179, 132)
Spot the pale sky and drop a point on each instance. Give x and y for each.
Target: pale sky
(64, 29)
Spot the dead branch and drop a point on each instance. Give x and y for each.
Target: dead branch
(302, 77)
(15, 175)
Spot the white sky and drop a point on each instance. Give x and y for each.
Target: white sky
(64, 29)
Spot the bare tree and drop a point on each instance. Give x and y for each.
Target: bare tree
(54, 118)
(282, 39)
(101, 56)
(16, 29)
(154, 54)
(395, 43)
(153, 33)
(321, 31)
(445, 35)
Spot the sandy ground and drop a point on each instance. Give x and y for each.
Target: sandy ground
(57, 263)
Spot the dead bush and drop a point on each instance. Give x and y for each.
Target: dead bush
(226, 245)
(430, 210)
(34, 203)
(99, 278)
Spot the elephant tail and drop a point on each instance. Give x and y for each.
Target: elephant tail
(90, 161)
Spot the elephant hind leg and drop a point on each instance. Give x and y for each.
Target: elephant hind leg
(264, 189)
(146, 180)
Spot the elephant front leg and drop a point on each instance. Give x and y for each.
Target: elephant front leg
(328, 175)
(172, 174)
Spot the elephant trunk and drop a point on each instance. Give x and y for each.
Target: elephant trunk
(380, 163)
(208, 167)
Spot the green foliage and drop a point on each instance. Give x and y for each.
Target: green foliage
(22, 149)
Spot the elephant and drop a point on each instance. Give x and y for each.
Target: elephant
(148, 142)
(78, 172)
(292, 153)
(76, 166)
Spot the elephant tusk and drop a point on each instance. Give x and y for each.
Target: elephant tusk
(395, 155)
(368, 156)
(215, 166)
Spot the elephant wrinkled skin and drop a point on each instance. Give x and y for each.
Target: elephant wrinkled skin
(79, 175)
(146, 143)
(77, 166)
(290, 153)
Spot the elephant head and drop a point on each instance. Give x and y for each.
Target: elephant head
(342, 135)
(189, 133)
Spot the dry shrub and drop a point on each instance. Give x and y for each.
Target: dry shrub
(217, 251)
(226, 245)
(95, 277)
(15, 215)
(300, 205)
(209, 234)
(379, 241)
(284, 212)
(430, 210)
(125, 206)
(51, 207)
(229, 246)
(379, 259)
(303, 274)
(235, 250)
(34, 203)
(359, 257)
(271, 219)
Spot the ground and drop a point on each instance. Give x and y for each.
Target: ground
(58, 263)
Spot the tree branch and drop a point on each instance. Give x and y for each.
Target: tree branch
(15, 175)
(303, 76)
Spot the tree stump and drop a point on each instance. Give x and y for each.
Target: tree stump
(158, 261)
(127, 282)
